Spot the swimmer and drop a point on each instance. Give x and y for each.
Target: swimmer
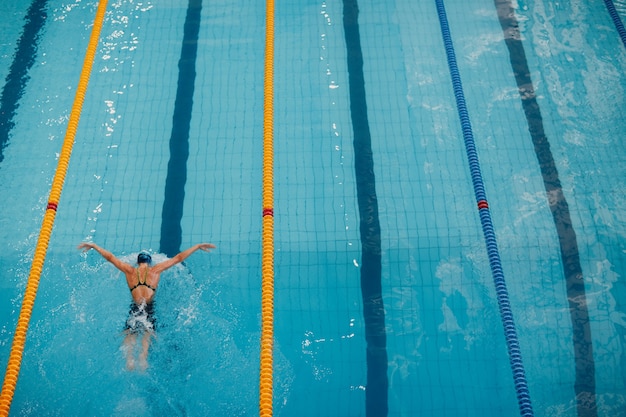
(142, 282)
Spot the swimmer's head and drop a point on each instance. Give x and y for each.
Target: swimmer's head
(144, 258)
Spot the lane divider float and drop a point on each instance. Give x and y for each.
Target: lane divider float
(19, 339)
(493, 253)
(267, 240)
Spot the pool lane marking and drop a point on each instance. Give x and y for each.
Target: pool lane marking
(19, 339)
(376, 393)
(18, 77)
(584, 386)
(267, 238)
(502, 294)
(172, 213)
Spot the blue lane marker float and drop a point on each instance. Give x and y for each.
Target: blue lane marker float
(510, 330)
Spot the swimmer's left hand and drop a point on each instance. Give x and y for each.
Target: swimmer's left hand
(206, 246)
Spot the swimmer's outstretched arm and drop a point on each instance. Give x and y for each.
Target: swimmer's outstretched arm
(122, 266)
(183, 255)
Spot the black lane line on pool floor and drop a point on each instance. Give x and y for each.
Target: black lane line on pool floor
(376, 395)
(16, 80)
(171, 230)
(584, 386)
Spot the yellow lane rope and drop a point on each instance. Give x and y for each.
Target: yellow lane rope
(19, 339)
(267, 257)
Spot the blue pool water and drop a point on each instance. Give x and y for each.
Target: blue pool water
(444, 350)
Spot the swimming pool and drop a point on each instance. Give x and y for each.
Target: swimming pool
(441, 345)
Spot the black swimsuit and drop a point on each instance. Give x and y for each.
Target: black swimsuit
(144, 283)
(141, 316)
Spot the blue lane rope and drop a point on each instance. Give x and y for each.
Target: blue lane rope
(510, 331)
(619, 25)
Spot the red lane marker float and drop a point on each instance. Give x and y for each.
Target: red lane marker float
(51, 206)
(268, 212)
(482, 204)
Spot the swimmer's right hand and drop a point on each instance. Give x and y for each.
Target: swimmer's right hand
(85, 246)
